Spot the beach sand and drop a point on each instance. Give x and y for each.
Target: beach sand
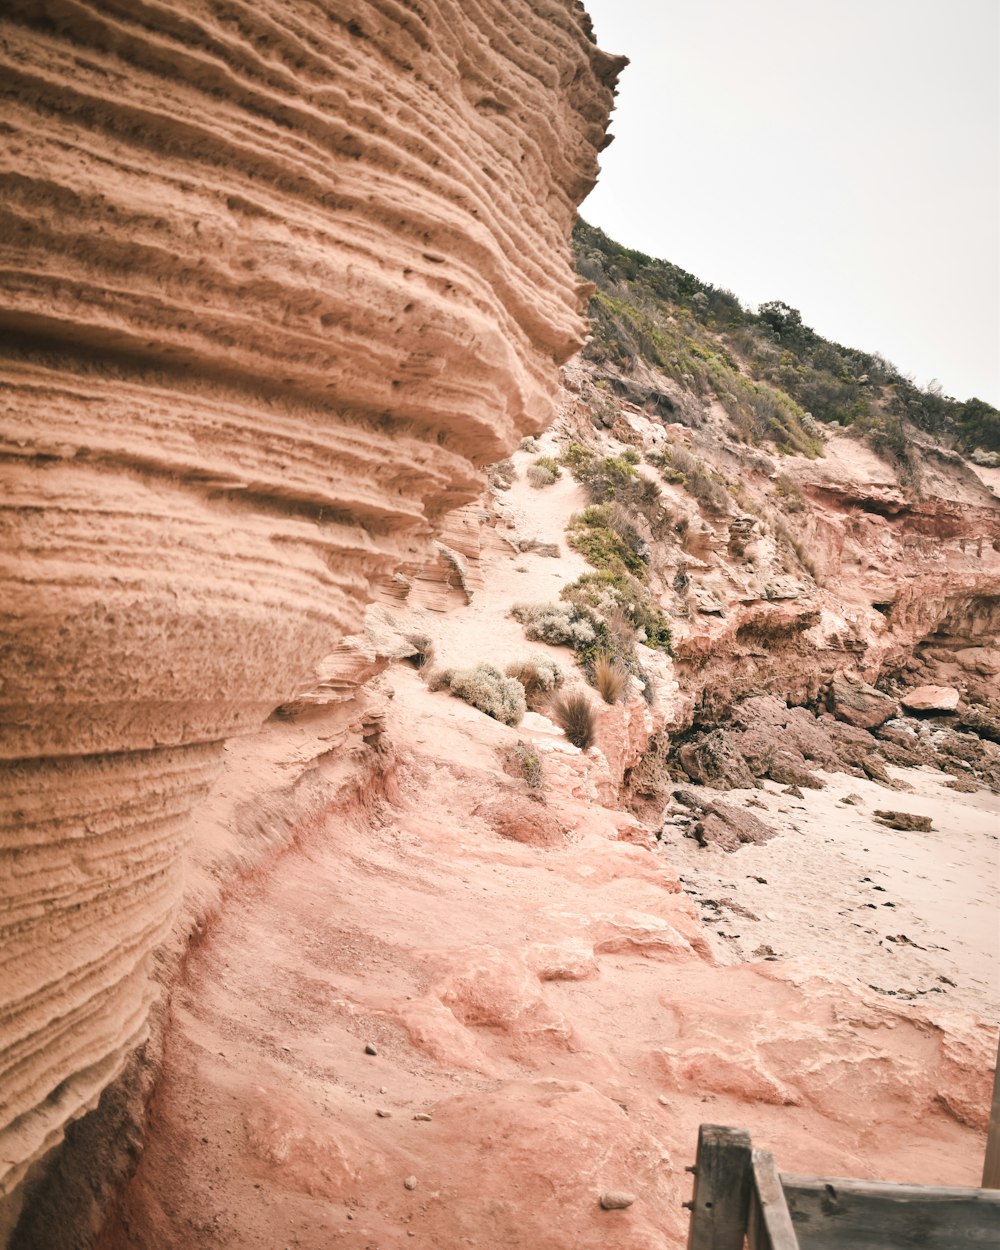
(911, 915)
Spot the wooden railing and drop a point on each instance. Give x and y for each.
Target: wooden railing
(740, 1197)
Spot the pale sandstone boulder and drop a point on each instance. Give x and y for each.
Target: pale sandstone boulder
(931, 699)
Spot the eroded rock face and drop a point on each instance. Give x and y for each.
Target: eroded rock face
(279, 278)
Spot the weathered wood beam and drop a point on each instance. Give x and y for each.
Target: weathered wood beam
(721, 1189)
(769, 1226)
(835, 1214)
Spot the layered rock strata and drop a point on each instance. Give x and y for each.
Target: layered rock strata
(278, 278)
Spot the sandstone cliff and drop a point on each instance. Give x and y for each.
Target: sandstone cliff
(277, 279)
(281, 280)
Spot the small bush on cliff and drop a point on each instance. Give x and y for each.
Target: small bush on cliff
(501, 475)
(538, 677)
(575, 714)
(606, 538)
(612, 477)
(558, 624)
(487, 689)
(604, 592)
(576, 457)
(789, 493)
(522, 760)
(423, 650)
(539, 477)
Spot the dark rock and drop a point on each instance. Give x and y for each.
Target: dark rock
(786, 771)
(905, 821)
(981, 721)
(730, 827)
(875, 769)
(963, 785)
(858, 704)
(715, 760)
(370, 1049)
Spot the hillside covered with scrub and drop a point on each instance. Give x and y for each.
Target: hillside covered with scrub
(774, 375)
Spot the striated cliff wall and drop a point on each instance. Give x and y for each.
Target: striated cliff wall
(278, 277)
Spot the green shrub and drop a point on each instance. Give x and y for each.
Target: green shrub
(486, 688)
(612, 477)
(607, 540)
(575, 714)
(605, 590)
(549, 463)
(576, 457)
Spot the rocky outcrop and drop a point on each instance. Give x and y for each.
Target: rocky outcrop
(278, 279)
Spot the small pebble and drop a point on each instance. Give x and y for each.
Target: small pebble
(410, 1182)
(385, 1115)
(663, 1100)
(422, 1115)
(616, 1199)
(370, 1049)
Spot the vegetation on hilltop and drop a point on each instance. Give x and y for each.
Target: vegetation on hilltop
(773, 374)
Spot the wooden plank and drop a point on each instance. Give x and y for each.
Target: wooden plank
(837, 1214)
(991, 1164)
(721, 1189)
(769, 1226)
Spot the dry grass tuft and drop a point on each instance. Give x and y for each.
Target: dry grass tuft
(611, 678)
(576, 716)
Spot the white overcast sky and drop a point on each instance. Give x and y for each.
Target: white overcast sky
(841, 155)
